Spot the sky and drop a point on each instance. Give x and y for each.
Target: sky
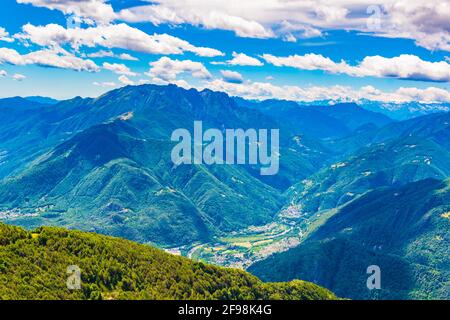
(339, 50)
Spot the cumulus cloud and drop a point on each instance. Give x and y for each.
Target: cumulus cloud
(232, 76)
(110, 54)
(101, 54)
(91, 10)
(19, 77)
(4, 35)
(118, 68)
(180, 83)
(301, 30)
(209, 19)
(48, 58)
(167, 69)
(241, 59)
(127, 56)
(126, 81)
(3, 73)
(104, 84)
(111, 36)
(404, 66)
(425, 22)
(309, 61)
(405, 94)
(264, 90)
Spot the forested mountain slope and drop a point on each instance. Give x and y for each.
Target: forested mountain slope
(33, 265)
(404, 230)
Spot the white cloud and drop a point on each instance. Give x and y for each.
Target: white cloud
(404, 66)
(241, 59)
(3, 73)
(264, 90)
(48, 58)
(126, 56)
(232, 76)
(118, 68)
(111, 36)
(4, 35)
(425, 22)
(167, 69)
(19, 77)
(110, 54)
(210, 19)
(126, 81)
(101, 54)
(309, 61)
(427, 95)
(301, 30)
(407, 67)
(97, 10)
(289, 38)
(104, 84)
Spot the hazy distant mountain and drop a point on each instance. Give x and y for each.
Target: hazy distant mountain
(317, 121)
(397, 111)
(18, 103)
(406, 110)
(434, 127)
(353, 116)
(43, 100)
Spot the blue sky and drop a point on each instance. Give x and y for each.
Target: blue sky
(298, 50)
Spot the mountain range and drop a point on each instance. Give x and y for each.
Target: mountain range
(361, 187)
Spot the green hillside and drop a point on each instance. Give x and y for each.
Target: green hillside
(329, 121)
(33, 265)
(404, 230)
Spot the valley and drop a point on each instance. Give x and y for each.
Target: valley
(242, 248)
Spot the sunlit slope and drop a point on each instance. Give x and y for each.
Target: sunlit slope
(33, 265)
(113, 179)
